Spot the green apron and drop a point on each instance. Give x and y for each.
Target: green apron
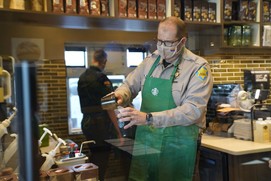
(169, 153)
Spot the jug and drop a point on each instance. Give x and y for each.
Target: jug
(5, 83)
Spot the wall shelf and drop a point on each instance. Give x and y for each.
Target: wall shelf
(89, 22)
(112, 22)
(77, 21)
(240, 22)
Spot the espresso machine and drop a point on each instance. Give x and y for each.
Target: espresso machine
(257, 83)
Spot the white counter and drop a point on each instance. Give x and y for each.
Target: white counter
(234, 146)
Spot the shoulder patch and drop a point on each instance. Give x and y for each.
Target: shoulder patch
(202, 73)
(107, 83)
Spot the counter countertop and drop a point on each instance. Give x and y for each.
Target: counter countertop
(234, 146)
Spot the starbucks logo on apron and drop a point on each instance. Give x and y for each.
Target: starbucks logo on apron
(155, 91)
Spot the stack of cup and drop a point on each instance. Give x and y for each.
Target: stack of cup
(61, 174)
(86, 171)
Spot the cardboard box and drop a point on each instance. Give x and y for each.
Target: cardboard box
(123, 8)
(161, 9)
(212, 12)
(95, 7)
(152, 9)
(142, 9)
(83, 8)
(204, 11)
(70, 7)
(104, 8)
(132, 10)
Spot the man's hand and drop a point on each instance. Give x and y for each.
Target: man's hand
(133, 116)
(119, 98)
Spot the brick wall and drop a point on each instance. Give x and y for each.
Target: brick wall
(52, 85)
(229, 68)
(52, 98)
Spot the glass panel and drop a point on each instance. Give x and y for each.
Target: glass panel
(135, 56)
(75, 58)
(74, 111)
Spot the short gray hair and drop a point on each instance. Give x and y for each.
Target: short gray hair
(180, 25)
(100, 56)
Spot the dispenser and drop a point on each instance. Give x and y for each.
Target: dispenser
(5, 83)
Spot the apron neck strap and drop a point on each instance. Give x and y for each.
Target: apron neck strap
(175, 65)
(153, 66)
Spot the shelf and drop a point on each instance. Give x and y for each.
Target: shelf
(77, 21)
(90, 22)
(196, 26)
(244, 47)
(240, 22)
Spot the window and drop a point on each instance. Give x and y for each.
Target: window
(74, 112)
(135, 56)
(116, 80)
(76, 63)
(75, 60)
(75, 56)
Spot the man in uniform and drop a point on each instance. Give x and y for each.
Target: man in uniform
(176, 85)
(97, 124)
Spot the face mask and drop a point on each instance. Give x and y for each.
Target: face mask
(169, 53)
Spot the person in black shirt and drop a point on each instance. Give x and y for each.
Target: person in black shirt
(97, 124)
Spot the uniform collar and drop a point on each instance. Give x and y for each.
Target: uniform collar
(95, 68)
(175, 61)
(187, 54)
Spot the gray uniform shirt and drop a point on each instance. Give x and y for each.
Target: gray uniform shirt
(191, 89)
